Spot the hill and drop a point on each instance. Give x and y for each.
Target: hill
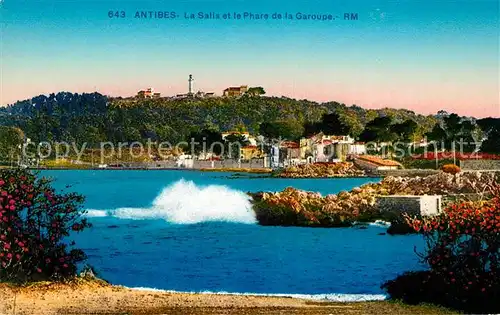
(92, 117)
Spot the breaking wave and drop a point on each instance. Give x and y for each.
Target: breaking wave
(186, 203)
(332, 297)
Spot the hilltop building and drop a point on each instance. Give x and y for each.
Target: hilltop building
(201, 94)
(148, 93)
(235, 91)
(191, 94)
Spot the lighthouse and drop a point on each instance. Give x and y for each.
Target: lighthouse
(190, 84)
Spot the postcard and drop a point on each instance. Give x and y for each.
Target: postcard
(249, 157)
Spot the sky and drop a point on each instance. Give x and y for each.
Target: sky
(423, 55)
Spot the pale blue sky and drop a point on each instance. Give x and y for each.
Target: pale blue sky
(424, 55)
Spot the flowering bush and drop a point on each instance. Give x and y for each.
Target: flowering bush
(451, 169)
(463, 253)
(34, 219)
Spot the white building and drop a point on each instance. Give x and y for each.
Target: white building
(357, 148)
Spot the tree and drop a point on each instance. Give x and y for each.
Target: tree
(492, 143)
(204, 141)
(11, 140)
(379, 130)
(34, 220)
(405, 131)
(330, 124)
(287, 129)
(233, 145)
(437, 134)
(488, 124)
(256, 91)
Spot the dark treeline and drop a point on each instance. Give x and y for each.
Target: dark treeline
(94, 118)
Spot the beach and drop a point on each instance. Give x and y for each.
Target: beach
(97, 297)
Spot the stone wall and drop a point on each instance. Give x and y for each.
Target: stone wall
(251, 164)
(407, 172)
(480, 164)
(414, 205)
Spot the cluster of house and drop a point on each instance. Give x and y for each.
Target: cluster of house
(148, 93)
(229, 92)
(317, 148)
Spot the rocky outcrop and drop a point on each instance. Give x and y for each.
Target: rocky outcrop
(301, 208)
(317, 170)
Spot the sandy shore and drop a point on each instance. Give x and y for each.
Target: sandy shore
(100, 298)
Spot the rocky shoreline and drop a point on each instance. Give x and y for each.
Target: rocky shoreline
(293, 207)
(320, 170)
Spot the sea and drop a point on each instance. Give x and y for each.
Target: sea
(191, 231)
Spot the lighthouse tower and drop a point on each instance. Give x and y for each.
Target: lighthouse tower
(190, 84)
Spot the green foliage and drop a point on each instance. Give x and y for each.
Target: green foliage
(287, 129)
(233, 145)
(256, 91)
(492, 143)
(11, 139)
(452, 132)
(94, 118)
(35, 220)
(206, 140)
(330, 124)
(406, 130)
(379, 130)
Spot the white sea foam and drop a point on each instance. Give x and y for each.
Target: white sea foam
(96, 213)
(333, 297)
(380, 223)
(186, 203)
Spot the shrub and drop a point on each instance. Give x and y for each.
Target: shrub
(451, 169)
(463, 255)
(34, 220)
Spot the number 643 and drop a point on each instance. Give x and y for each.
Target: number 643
(116, 14)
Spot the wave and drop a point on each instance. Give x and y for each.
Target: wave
(331, 297)
(186, 203)
(380, 223)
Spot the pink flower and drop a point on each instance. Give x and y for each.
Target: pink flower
(1, 182)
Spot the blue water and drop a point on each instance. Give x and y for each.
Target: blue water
(133, 241)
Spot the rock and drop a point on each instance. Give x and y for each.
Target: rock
(297, 207)
(340, 169)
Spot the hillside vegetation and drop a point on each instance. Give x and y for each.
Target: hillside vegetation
(94, 118)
